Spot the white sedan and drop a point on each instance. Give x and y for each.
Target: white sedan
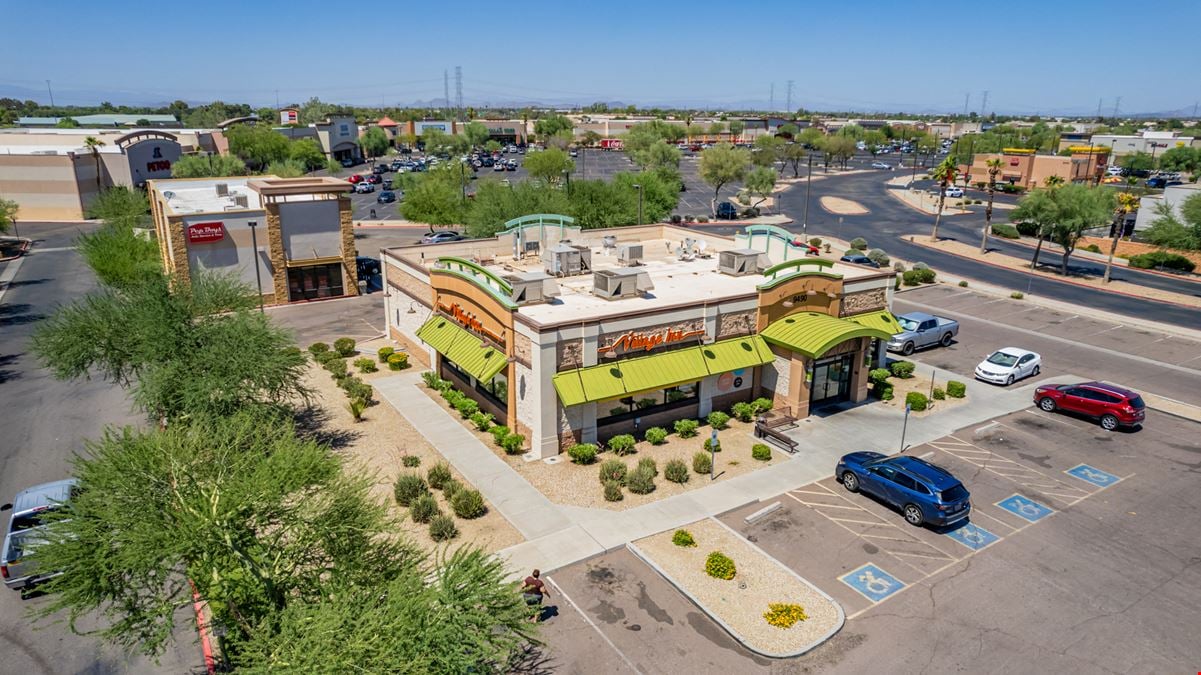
(1004, 366)
(954, 192)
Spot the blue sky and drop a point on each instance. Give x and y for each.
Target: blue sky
(1058, 56)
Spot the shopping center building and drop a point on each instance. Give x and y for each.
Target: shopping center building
(570, 335)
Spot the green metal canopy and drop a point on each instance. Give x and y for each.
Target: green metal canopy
(882, 319)
(467, 350)
(813, 334)
(659, 371)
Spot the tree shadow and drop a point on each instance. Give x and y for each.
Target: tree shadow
(25, 282)
(531, 660)
(7, 374)
(312, 423)
(18, 314)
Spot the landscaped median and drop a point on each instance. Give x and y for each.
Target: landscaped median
(764, 605)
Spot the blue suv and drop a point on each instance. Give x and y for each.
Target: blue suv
(924, 493)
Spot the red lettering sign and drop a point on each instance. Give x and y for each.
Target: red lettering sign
(206, 233)
(162, 165)
(634, 340)
(469, 320)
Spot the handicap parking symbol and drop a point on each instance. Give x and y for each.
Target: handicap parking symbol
(1026, 509)
(872, 582)
(1092, 474)
(973, 536)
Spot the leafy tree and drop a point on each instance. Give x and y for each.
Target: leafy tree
(660, 192)
(1081, 208)
(767, 150)
(552, 125)
(793, 154)
(789, 130)
(374, 142)
(67, 123)
(874, 141)
(120, 205)
(597, 203)
(1138, 161)
(314, 110)
(721, 165)
(1184, 159)
(496, 203)
(308, 153)
(736, 128)
(476, 133)
(589, 138)
(853, 131)
(717, 129)
(839, 148)
(286, 169)
(257, 145)
(434, 198)
(8, 214)
(1190, 209)
(439, 142)
(659, 155)
(202, 166)
(549, 165)
(120, 257)
(1169, 231)
(492, 145)
(810, 137)
(944, 174)
(1038, 208)
(760, 184)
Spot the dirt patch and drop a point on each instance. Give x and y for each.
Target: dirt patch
(1129, 248)
(843, 207)
(920, 383)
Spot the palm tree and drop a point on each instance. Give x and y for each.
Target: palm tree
(994, 168)
(944, 173)
(94, 144)
(1127, 203)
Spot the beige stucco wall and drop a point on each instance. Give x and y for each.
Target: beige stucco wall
(45, 187)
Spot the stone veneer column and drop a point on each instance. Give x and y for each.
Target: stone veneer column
(179, 252)
(859, 371)
(349, 265)
(275, 252)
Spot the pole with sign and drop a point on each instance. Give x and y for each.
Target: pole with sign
(904, 427)
(713, 455)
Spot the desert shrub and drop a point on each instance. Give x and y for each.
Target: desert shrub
(336, 367)
(613, 470)
(498, 433)
(910, 278)
(410, 461)
(582, 453)
(467, 407)
(612, 491)
(925, 276)
(683, 538)
(451, 487)
(344, 347)
(920, 266)
(1162, 259)
(902, 369)
(784, 615)
(398, 361)
(430, 378)
(622, 444)
(676, 471)
(655, 435)
(385, 352)
(710, 446)
(850, 251)
(762, 404)
(1093, 248)
(761, 452)
(718, 420)
(409, 486)
(916, 401)
(879, 257)
(648, 463)
(360, 391)
(424, 508)
(644, 403)
(443, 528)
(1017, 295)
(885, 392)
(956, 389)
(701, 462)
(640, 481)
(815, 241)
(438, 474)
(879, 375)
(743, 412)
(356, 409)
(1025, 229)
(513, 444)
(859, 244)
(938, 394)
(318, 348)
(324, 357)
(686, 428)
(365, 365)
(719, 566)
(702, 219)
(481, 420)
(468, 503)
(1005, 231)
(898, 267)
(962, 284)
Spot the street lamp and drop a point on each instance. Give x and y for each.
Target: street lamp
(258, 276)
(638, 187)
(808, 186)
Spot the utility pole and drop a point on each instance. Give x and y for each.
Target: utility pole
(984, 104)
(808, 185)
(967, 97)
(1194, 111)
(789, 99)
(51, 92)
(1099, 108)
(445, 88)
(1116, 103)
(459, 90)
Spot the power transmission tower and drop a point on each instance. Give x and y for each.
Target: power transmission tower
(1194, 110)
(1116, 103)
(984, 104)
(459, 89)
(788, 105)
(1099, 108)
(445, 89)
(967, 97)
(772, 104)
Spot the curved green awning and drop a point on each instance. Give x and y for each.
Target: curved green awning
(659, 371)
(882, 319)
(466, 349)
(813, 334)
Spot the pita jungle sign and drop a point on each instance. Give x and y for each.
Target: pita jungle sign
(633, 341)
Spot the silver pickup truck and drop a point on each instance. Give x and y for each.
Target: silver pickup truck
(25, 530)
(919, 330)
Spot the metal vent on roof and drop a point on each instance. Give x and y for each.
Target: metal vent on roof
(222, 189)
(616, 284)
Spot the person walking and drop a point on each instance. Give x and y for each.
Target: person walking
(533, 589)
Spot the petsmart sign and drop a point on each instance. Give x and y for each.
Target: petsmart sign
(206, 233)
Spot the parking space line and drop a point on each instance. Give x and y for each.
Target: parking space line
(977, 512)
(591, 623)
(1030, 475)
(928, 557)
(861, 522)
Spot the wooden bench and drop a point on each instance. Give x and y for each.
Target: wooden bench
(762, 430)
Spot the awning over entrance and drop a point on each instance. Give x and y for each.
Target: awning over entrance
(813, 334)
(882, 319)
(467, 350)
(610, 380)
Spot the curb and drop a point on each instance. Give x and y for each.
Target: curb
(892, 193)
(1118, 262)
(206, 647)
(26, 244)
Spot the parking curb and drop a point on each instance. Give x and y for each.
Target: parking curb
(1117, 262)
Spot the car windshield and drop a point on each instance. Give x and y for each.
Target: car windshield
(1003, 359)
(907, 324)
(954, 494)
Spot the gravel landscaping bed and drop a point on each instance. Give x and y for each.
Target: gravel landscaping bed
(921, 384)
(740, 603)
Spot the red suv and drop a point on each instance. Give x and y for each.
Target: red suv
(1113, 406)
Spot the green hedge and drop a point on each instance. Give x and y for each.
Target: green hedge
(1005, 231)
(582, 453)
(1164, 259)
(916, 401)
(956, 389)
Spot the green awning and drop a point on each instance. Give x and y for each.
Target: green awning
(813, 334)
(882, 319)
(659, 371)
(467, 350)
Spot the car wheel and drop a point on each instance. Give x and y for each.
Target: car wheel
(1009, 380)
(850, 481)
(1035, 372)
(1109, 422)
(913, 515)
(907, 349)
(946, 340)
(1046, 404)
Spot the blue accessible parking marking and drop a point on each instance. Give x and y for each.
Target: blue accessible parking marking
(973, 536)
(1026, 509)
(872, 582)
(1091, 474)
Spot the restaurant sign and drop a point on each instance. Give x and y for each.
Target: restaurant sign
(635, 341)
(469, 321)
(206, 233)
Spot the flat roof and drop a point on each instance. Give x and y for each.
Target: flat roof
(189, 196)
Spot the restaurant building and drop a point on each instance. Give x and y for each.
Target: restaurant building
(567, 335)
(1027, 169)
(291, 238)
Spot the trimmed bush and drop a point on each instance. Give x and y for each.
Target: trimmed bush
(582, 453)
(761, 452)
(498, 433)
(438, 474)
(920, 266)
(644, 403)
(424, 508)
(676, 471)
(956, 389)
(648, 463)
(467, 408)
(640, 481)
(398, 361)
(879, 376)
(1005, 231)
(879, 257)
(743, 412)
(613, 470)
(365, 365)
(481, 420)
(621, 445)
(443, 528)
(762, 404)
(336, 367)
(815, 241)
(859, 244)
(1093, 248)
(902, 369)
(916, 401)
(701, 462)
(938, 394)
(513, 444)
(1162, 259)
(963, 284)
(451, 487)
(898, 267)
(718, 420)
(925, 276)
(385, 352)
(784, 615)
(710, 446)
(1017, 295)
(686, 428)
(468, 504)
(655, 435)
(360, 391)
(851, 251)
(885, 392)
(324, 357)
(612, 491)
(409, 486)
(344, 347)
(410, 461)
(683, 538)
(1024, 229)
(910, 278)
(318, 348)
(719, 566)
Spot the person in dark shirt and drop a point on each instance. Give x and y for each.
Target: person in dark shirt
(533, 589)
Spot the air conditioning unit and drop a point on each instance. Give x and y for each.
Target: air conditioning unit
(242, 201)
(609, 241)
(561, 260)
(222, 189)
(531, 288)
(617, 284)
(741, 262)
(629, 255)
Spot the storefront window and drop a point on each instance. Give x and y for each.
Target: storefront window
(498, 388)
(647, 402)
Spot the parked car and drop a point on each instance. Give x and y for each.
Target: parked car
(1113, 406)
(25, 527)
(348, 163)
(356, 178)
(510, 165)
(924, 492)
(880, 165)
(498, 166)
(858, 259)
(919, 330)
(726, 211)
(1113, 171)
(1157, 182)
(366, 266)
(387, 184)
(380, 169)
(954, 192)
(386, 197)
(441, 237)
(574, 152)
(364, 187)
(1005, 366)
(374, 179)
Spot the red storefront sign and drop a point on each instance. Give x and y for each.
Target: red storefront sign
(637, 341)
(206, 233)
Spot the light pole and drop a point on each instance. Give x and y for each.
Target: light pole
(638, 187)
(713, 446)
(258, 276)
(808, 186)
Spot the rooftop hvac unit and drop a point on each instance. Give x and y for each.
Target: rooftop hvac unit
(242, 201)
(629, 255)
(617, 284)
(609, 241)
(222, 189)
(741, 262)
(561, 260)
(532, 288)
(585, 258)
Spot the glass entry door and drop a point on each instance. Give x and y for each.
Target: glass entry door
(317, 281)
(831, 380)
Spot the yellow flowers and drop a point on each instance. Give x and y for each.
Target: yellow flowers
(784, 615)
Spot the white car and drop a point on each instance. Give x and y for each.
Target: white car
(1113, 171)
(954, 192)
(879, 165)
(1007, 365)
